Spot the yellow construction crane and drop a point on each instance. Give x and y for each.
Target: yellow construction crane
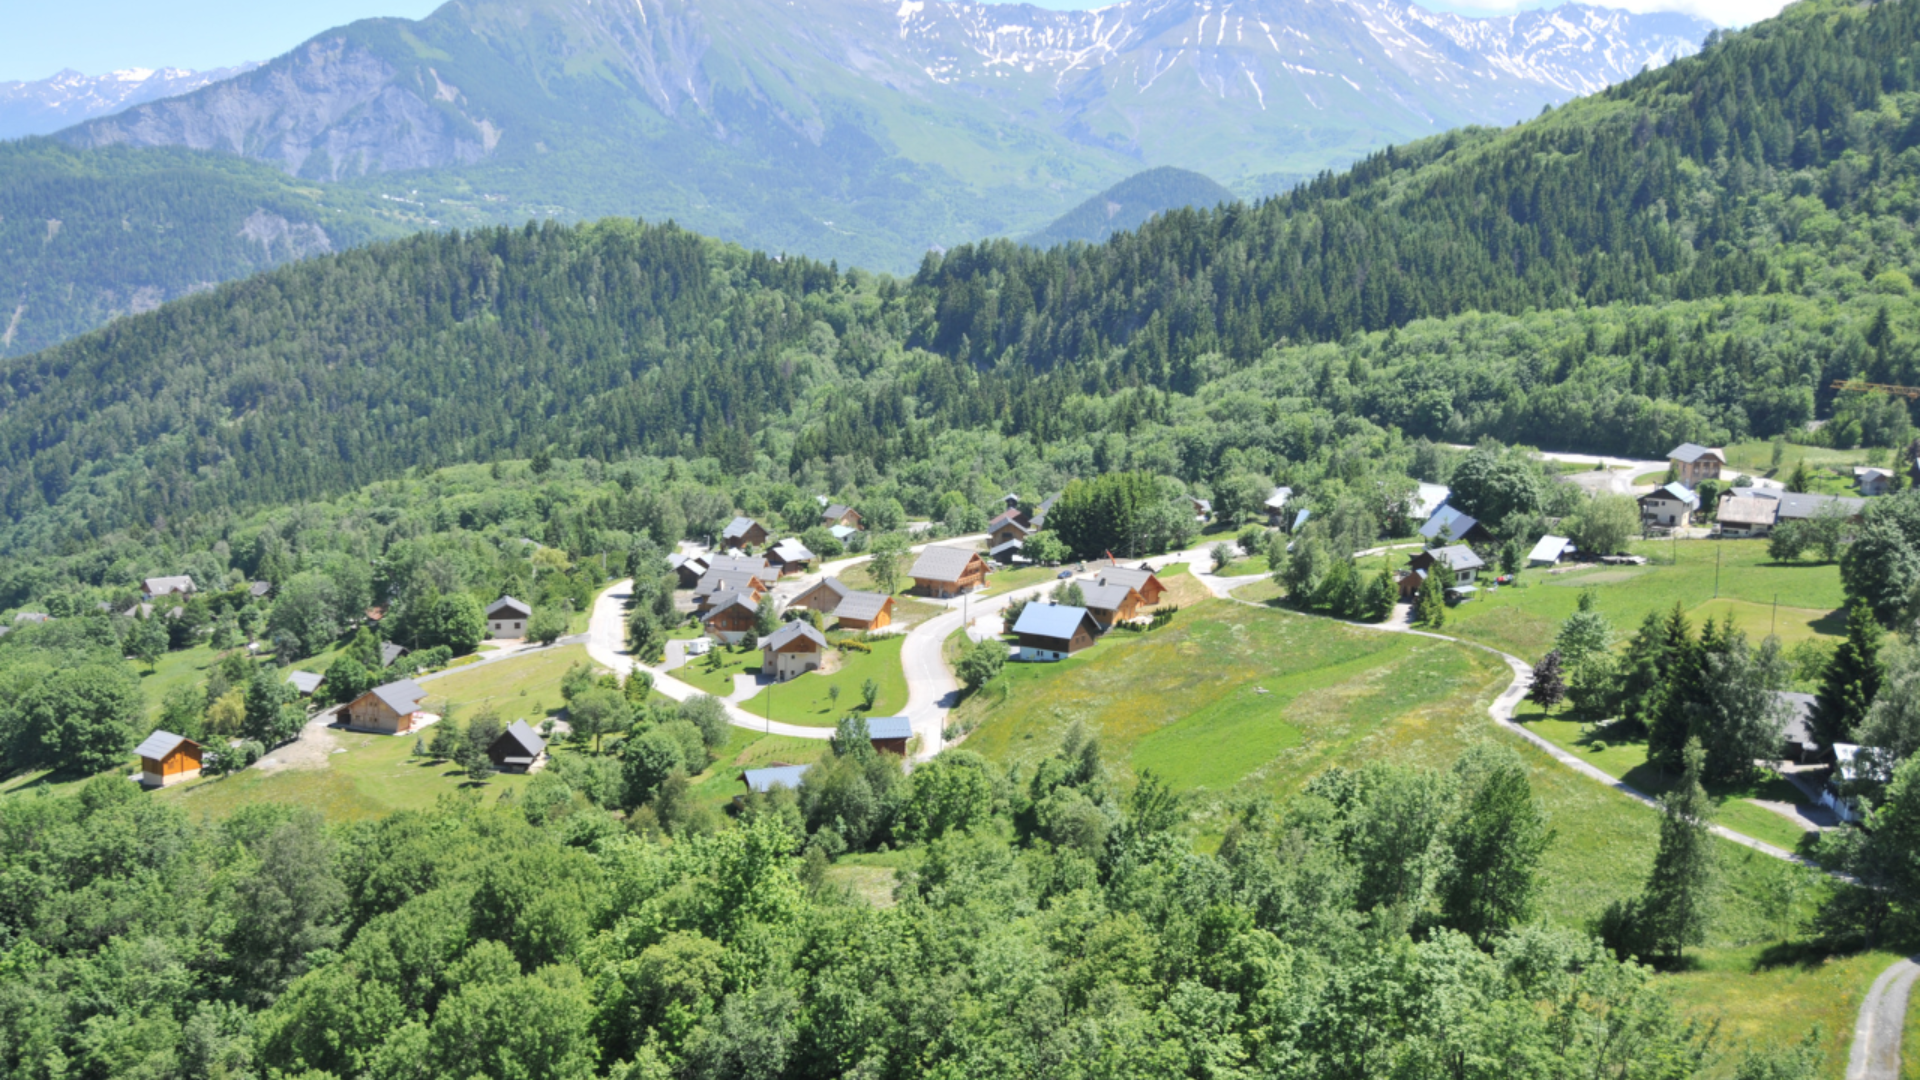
(1908, 392)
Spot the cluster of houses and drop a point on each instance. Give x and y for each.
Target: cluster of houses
(1745, 512)
(1007, 533)
(1113, 595)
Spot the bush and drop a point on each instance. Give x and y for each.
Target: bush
(981, 662)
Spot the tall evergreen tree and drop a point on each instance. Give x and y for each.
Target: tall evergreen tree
(1668, 725)
(1678, 900)
(1645, 671)
(1432, 605)
(1852, 678)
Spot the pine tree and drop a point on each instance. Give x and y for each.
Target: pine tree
(1432, 605)
(1800, 479)
(1678, 899)
(1549, 683)
(1685, 675)
(1382, 596)
(1645, 670)
(1852, 678)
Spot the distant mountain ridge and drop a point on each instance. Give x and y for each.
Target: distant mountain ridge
(876, 129)
(42, 106)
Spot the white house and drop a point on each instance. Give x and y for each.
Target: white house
(507, 618)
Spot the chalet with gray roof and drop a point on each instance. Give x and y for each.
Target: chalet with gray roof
(731, 616)
(155, 587)
(762, 781)
(890, 734)
(166, 758)
(823, 596)
(865, 611)
(1669, 506)
(792, 650)
(1693, 463)
(789, 556)
(840, 514)
(743, 533)
(507, 618)
(948, 571)
(305, 682)
(1048, 632)
(393, 708)
(519, 749)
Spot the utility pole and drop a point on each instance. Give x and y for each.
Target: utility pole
(1716, 571)
(1775, 624)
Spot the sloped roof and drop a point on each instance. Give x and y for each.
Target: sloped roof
(749, 564)
(1747, 510)
(791, 550)
(836, 511)
(1006, 549)
(1676, 491)
(1800, 724)
(1133, 577)
(1797, 506)
(942, 563)
(1457, 557)
(889, 727)
(714, 582)
(726, 599)
(738, 528)
(1688, 453)
(1051, 620)
(157, 586)
(306, 681)
(841, 532)
(1550, 549)
(765, 780)
(508, 603)
(524, 745)
(830, 584)
(1453, 521)
(1039, 519)
(390, 652)
(1429, 498)
(159, 744)
(1002, 520)
(1277, 501)
(1300, 519)
(259, 588)
(1105, 597)
(863, 606)
(797, 630)
(402, 695)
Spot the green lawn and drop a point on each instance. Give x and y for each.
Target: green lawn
(526, 687)
(1182, 701)
(1244, 567)
(1628, 761)
(1001, 582)
(1759, 1000)
(375, 775)
(807, 699)
(1523, 620)
(744, 750)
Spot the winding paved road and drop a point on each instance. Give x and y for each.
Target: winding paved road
(1883, 1015)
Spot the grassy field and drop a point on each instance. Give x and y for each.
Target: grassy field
(808, 699)
(1185, 702)
(1758, 999)
(717, 786)
(527, 687)
(1523, 620)
(371, 776)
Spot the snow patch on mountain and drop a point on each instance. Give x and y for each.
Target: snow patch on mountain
(42, 106)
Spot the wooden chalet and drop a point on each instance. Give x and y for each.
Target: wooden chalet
(743, 533)
(1047, 632)
(1110, 604)
(840, 514)
(948, 571)
(389, 709)
(1140, 579)
(789, 556)
(865, 611)
(731, 617)
(823, 596)
(519, 749)
(166, 758)
(890, 734)
(794, 649)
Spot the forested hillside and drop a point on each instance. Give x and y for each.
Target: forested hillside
(88, 236)
(1718, 238)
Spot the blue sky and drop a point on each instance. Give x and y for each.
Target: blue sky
(97, 36)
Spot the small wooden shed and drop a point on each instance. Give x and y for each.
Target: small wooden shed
(166, 758)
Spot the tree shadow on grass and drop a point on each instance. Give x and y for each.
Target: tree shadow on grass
(1805, 955)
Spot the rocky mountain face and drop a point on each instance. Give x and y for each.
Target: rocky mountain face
(41, 106)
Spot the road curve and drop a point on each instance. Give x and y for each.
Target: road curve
(607, 645)
(1883, 1015)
